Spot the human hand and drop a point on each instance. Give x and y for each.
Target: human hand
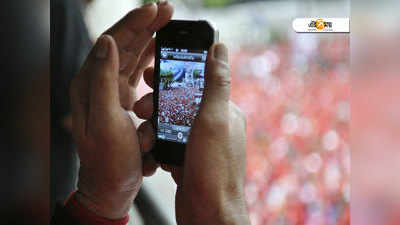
(211, 183)
(102, 95)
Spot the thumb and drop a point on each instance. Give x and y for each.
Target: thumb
(103, 71)
(217, 77)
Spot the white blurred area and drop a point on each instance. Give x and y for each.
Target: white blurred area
(102, 14)
(244, 23)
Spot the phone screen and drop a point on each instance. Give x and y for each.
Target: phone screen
(180, 91)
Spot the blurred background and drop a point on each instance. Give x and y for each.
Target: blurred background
(375, 112)
(294, 89)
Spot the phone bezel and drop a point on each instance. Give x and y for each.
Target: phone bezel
(197, 35)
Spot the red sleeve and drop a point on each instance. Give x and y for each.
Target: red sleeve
(85, 217)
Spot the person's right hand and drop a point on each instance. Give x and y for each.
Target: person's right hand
(210, 185)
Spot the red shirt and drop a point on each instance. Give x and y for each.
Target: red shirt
(85, 217)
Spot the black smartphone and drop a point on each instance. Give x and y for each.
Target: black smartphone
(181, 54)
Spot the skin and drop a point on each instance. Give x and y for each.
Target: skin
(113, 149)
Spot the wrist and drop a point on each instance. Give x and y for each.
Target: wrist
(233, 212)
(110, 205)
(106, 195)
(217, 212)
(82, 215)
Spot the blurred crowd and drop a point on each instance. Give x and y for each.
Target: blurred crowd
(177, 106)
(297, 103)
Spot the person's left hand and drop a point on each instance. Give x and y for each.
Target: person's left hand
(103, 95)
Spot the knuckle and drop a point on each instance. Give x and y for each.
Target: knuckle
(132, 13)
(221, 75)
(212, 122)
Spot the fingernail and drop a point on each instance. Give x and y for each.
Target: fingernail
(102, 47)
(162, 2)
(149, 4)
(221, 52)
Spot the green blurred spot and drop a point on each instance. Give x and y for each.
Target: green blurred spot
(217, 3)
(147, 1)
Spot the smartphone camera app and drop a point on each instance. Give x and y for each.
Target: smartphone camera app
(180, 91)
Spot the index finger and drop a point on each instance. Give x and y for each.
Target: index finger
(134, 32)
